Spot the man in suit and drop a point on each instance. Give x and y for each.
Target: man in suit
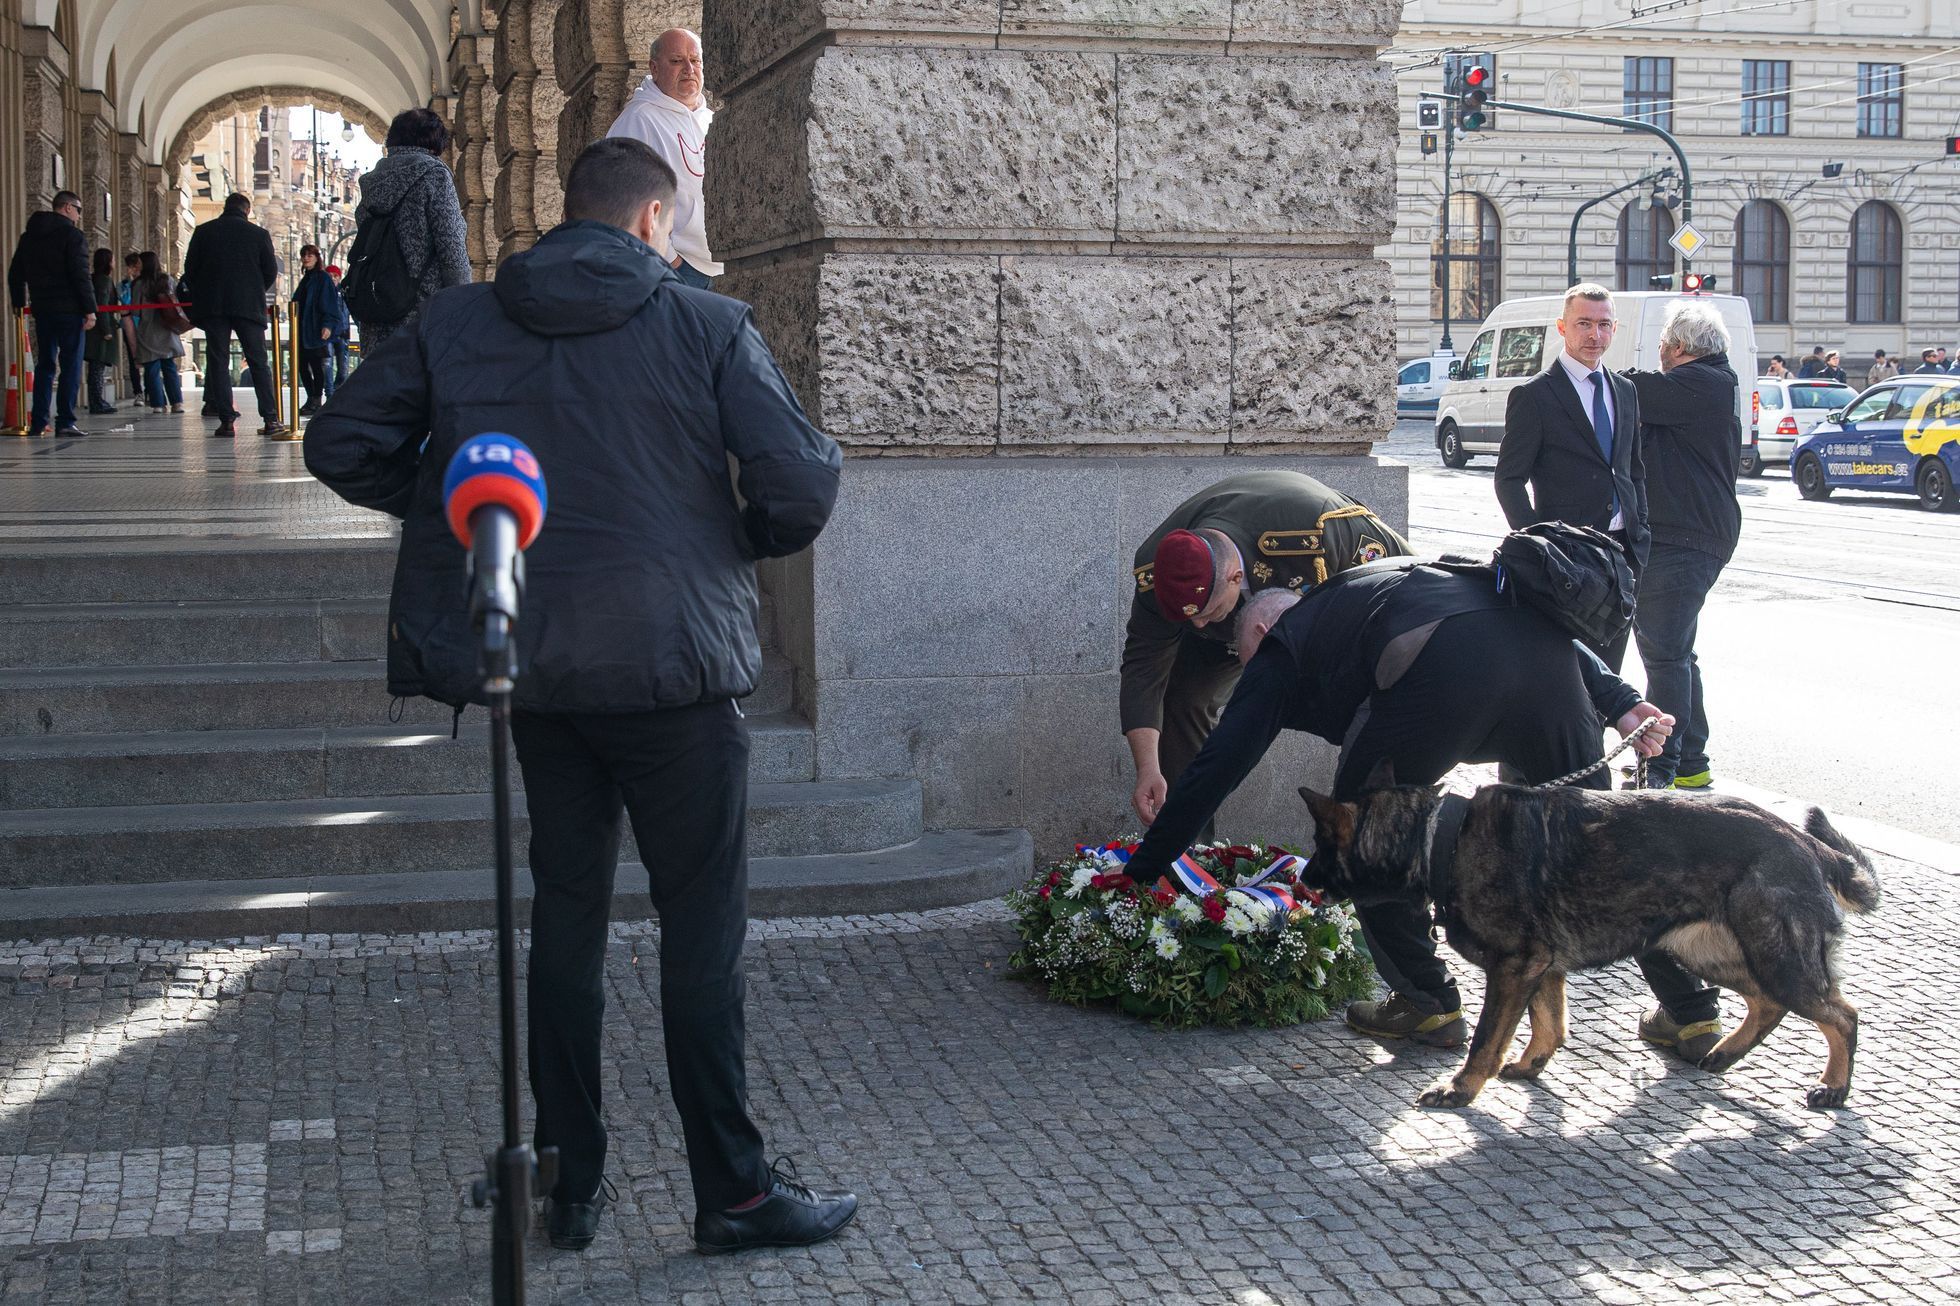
(1571, 449)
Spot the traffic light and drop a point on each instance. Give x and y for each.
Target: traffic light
(201, 176)
(1698, 283)
(1953, 145)
(1665, 281)
(1429, 115)
(1471, 78)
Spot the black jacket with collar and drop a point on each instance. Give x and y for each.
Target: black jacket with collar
(1691, 442)
(1549, 467)
(228, 269)
(633, 390)
(50, 268)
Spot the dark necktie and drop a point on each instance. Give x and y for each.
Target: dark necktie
(1603, 425)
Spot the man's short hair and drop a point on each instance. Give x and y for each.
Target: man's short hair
(1695, 329)
(63, 198)
(238, 202)
(1585, 290)
(423, 129)
(132, 257)
(1878, 353)
(613, 179)
(1264, 609)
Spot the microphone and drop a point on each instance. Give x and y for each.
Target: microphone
(493, 495)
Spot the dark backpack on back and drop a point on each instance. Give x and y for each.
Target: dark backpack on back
(1577, 576)
(376, 285)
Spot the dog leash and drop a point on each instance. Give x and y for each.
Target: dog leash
(1621, 747)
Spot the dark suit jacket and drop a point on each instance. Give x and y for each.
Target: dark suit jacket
(228, 269)
(1549, 447)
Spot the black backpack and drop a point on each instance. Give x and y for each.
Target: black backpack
(1577, 576)
(377, 285)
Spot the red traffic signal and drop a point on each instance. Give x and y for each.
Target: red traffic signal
(1696, 283)
(1953, 145)
(1476, 75)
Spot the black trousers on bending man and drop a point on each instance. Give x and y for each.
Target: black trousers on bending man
(1525, 706)
(681, 776)
(1201, 683)
(217, 370)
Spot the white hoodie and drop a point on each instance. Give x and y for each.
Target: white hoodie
(679, 135)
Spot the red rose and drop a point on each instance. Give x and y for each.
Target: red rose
(1117, 880)
(1238, 852)
(1163, 897)
(1047, 889)
(1054, 877)
(1215, 909)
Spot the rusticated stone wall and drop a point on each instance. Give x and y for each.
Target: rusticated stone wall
(527, 197)
(471, 129)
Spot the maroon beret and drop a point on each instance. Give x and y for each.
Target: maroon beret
(1181, 575)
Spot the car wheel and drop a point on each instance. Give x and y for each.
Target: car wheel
(1810, 478)
(1449, 443)
(1935, 486)
(1752, 462)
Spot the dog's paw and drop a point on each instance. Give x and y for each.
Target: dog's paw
(1718, 1061)
(1822, 1097)
(1447, 1096)
(1522, 1069)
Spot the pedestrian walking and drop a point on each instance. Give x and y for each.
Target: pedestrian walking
(409, 239)
(337, 343)
(100, 349)
(132, 268)
(637, 636)
(1929, 362)
(49, 273)
(1812, 365)
(1882, 368)
(669, 112)
(228, 270)
(1690, 439)
(320, 310)
(1571, 446)
(1777, 367)
(1831, 371)
(160, 337)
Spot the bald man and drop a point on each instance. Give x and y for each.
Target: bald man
(669, 111)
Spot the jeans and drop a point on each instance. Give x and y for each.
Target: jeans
(1672, 590)
(339, 364)
(162, 383)
(693, 276)
(57, 341)
(681, 777)
(217, 373)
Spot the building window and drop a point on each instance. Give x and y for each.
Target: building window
(1762, 260)
(1881, 99)
(1472, 259)
(1644, 252)
(1876, 268)
(1649, 91)
(1766, 97)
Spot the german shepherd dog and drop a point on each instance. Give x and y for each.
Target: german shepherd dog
(1552, 880)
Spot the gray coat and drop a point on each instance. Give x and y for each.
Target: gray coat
(416, 187)
(154, 340)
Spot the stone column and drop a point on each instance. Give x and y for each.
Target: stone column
(528, 197)
(470, 72)
(603, 50)
(97, 178)
(1046, 269)
(161, 228)
(130, 204)
(44, 126)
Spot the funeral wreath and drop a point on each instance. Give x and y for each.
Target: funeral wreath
(1230, 937)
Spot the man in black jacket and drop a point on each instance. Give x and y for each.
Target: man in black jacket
(228, 270)
(1571, 449)
(1691, 438)
(637, 636)
(1422, 668)
(49, 272)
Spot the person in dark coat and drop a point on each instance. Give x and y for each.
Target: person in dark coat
(100, 347)
(228, 270)
(49, 273)
(320, 313)
(1571, 449)
(412, 183)
(343, 326)
(637, 636)
(1691, 438)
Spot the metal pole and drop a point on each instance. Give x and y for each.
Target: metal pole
(1446, 345)
(292, 372)
(1572, 244)
(274, 357)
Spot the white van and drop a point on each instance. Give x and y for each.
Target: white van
(1520, 339)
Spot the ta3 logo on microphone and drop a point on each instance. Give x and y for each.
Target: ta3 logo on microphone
(485, 450)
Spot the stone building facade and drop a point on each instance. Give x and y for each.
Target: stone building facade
(1761, 98)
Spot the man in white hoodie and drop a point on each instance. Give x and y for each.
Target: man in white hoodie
(669, 112)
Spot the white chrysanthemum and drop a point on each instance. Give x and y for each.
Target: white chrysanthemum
(1187, 909)
(1167, 946)
(1239, 921)
(1078, 880)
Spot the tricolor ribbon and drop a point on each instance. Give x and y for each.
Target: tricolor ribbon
(1197, 881)
(1109, 853)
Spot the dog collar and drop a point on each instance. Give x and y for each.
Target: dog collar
(1439, 868)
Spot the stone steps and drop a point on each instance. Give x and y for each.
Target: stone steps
(241, 766)
(940, 869)
(390, 834)
(211, 571)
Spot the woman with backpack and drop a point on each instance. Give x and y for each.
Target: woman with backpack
(409, 238)
(159, 335)
(320, 311)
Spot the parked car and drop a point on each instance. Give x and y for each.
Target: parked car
(1901, 436)
(1785, 410)
(1420, 384)
(1520, 339)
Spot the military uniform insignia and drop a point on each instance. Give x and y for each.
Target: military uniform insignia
(1369, 549)
(1290, 544)
(1261, 572)
(1145, 578)
(1295, 582)
(1191, 609)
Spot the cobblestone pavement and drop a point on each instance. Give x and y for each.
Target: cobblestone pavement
(297, 1120)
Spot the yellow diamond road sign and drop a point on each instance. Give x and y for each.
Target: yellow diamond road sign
(1688, 240)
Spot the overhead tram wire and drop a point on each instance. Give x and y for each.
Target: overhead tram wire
(1423, 57)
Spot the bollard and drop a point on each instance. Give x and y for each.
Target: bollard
(292, 370)
(20, 381)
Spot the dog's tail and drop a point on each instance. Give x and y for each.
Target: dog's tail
(1850, 872)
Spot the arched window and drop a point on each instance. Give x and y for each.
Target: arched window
(1875, 270)
(1472, 258)
(1762, 260)
(1644, 252)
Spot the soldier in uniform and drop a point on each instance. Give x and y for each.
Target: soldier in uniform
(1247, 533)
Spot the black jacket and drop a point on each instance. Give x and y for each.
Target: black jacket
(228, 269)
(1691, 441)
(1549, 446)
(633, 390)
(50, 268)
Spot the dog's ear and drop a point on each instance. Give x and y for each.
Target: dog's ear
(1382, 777)
(1333, 819)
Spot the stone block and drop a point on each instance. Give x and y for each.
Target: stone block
(1115, 350)
(1257, 150)
(1130, 20)
(742, 39)
(882, 143)
(781, 291)
(1371, 24)
(1313, 350)
(960, 737)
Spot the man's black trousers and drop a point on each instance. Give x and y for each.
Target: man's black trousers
(217, 367)
(682, 777)
(1202, 680)
(1496, 686)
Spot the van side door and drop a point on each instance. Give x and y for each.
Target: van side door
(1478, 423)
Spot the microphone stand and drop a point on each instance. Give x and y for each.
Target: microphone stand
(511, 1173)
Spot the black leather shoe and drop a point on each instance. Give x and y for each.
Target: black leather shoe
(793, 1215)
(572, 1225)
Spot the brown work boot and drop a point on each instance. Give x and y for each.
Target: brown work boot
(1400, 1018)
(1689, 1042)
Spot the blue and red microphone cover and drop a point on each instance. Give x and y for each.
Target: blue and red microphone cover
(494, 468)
